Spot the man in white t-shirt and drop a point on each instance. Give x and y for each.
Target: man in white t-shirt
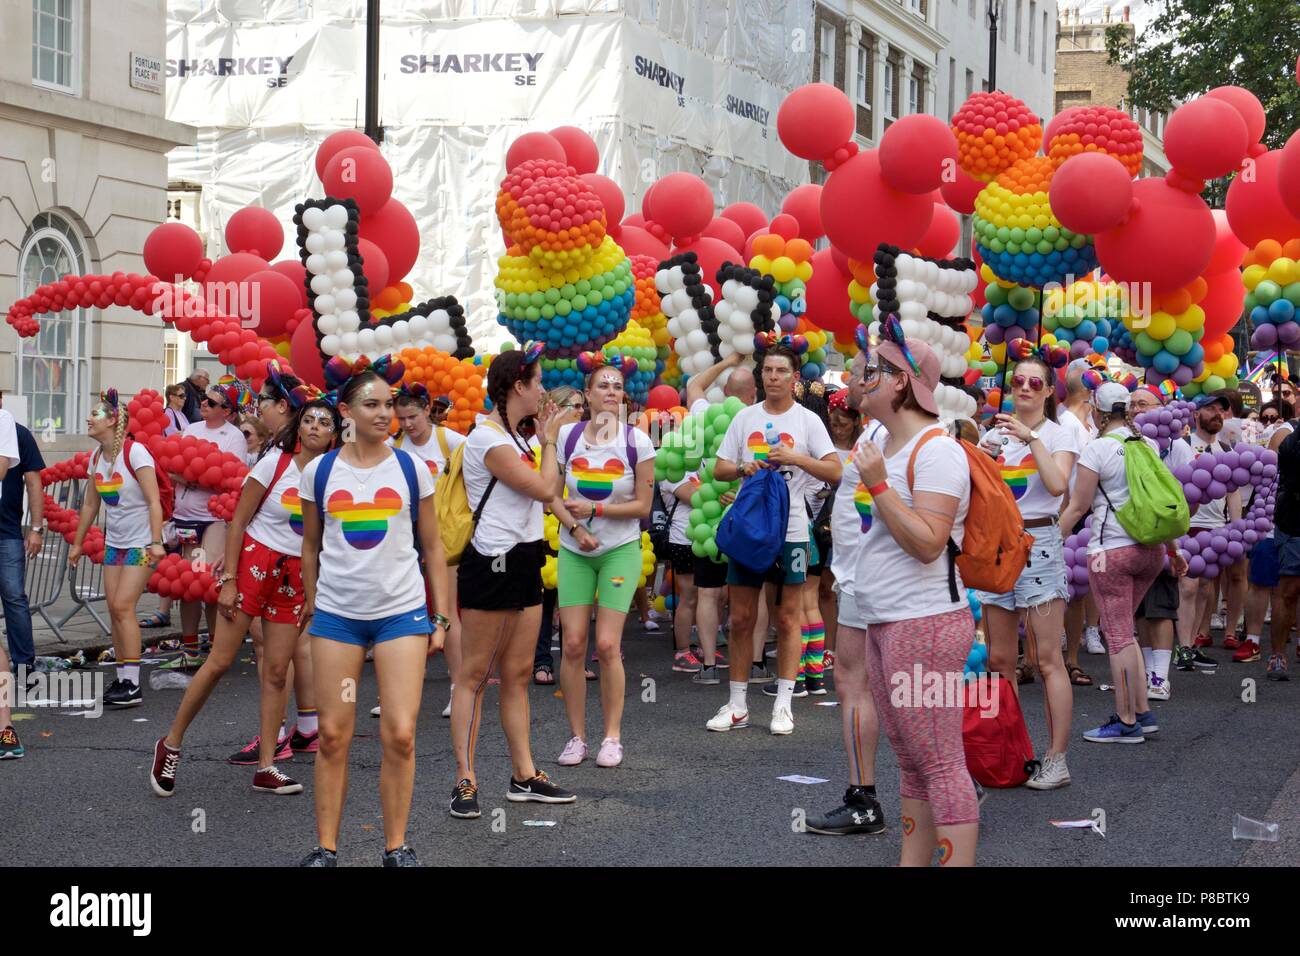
(783, 435)
(740, 383)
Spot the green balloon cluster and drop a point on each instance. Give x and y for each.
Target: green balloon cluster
(706, 512)
(697, 440)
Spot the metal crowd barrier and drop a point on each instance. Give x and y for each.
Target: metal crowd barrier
(47, 571)
(86, 580)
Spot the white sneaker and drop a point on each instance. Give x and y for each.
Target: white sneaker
(575, 751)
(728, 718)
(651, 625)
(374, 711)
(1158, 689)
(1051, 774)
(446, 711)
(782, 720)
(1218, 621)
(1092, 636)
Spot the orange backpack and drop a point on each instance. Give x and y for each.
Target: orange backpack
(995, 545)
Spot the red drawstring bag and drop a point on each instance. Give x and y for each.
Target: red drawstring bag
(999, 752)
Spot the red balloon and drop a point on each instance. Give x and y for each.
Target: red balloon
(1224, 297)
(961, 192)
(1206, 138)
(859, 211)
(172, 251)
(841, 261)
(815, 120)
(220, 287)
(941, 238)
(728, 232)
(374, 265)
(1254, 204)
(1288, 174)
(712, 255)
(580, 150)
(610, 195)
(1091, 192)
(635, 219)
(1055, 124)
(361, 174)
(534, 146)
(662, 397)
(1228, 249)
(1167, 240)
(746, 215)
(762, 230)
(304, 356)
(256, 230)
(295, 272)
(827, 296)
(274, 299)
(1245, 103)
(394, 230)
(681, 203)
(784, 225)
(343, 139)
(917, 153)
(635, 241)
(804, 203)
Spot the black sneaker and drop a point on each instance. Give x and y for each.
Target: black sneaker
(464, 801)
(799, 689)
(1202, 661)
(814, 685)
(1183, 658)
(540, 789)
(707, 674)
(859, 814)
(123, 693)
(402, 856)
(320, 857)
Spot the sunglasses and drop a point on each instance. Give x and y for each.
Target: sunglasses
(1269, 419)
(1035, 383)
(208, 401)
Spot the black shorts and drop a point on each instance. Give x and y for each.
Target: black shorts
(681, 558)
(1161, 600)
(198, 527)
(710, 573)
(507, 582)
(822, 552)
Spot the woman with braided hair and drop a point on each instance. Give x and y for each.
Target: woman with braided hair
(123, 477)
(500, 573)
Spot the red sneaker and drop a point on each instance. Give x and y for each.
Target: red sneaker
(1248, 653)
(1203, 640)
(1232, 642)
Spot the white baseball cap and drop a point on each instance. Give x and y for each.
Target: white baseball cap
(1110, 396)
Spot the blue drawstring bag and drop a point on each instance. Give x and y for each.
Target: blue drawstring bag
(752, 532)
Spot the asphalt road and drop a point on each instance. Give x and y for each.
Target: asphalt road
(682, 797)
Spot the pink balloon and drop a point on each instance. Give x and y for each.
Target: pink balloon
(941, 238)
(746, 215)
(916, 152)
(374, 266)
(1167, 240)
(579, 149)
(960, 194)
(172, 249)
(343, 139)
(274, 301)
(534, 146)
(785, 225)
(712, 255)
(1091, 192)
(1247, 104)
(815, 120)
(634, 219)
(859, 211)
(256, 230)
(635, 241)
(295, 272)
(360, 174)
(1206, 138)
(681, 203)
(1254, 204)
(1288, 175)
(1228, 249)
(229, 270)
(610, 195)
(728, 232)
(804, 203)
(394, 230)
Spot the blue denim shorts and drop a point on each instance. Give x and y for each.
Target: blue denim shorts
(1288, 554)
(1043, 578)
(1264, 569)
(366, 633)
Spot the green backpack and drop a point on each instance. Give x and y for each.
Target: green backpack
(1156, 510)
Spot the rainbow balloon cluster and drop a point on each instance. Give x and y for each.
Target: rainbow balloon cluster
(636, 343)
(1084, 315)
(1167, 335)
(1010, 311)
(1272, 283)
(861, 301)
(646, 309)
(563, 281)
(789, 263)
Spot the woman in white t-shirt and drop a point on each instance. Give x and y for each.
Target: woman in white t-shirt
(370, 552)
(261, 579)
(123, 477)
(1119, 569)
(917, 493)
(1036, 455)
(500, 573)
(609, 480)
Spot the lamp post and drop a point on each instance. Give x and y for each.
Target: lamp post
(994, 16)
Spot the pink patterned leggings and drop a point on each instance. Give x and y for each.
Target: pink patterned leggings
(1119, 579)
(927, 740)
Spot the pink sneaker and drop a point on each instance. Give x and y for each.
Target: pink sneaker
(575, 751)
(611, 753)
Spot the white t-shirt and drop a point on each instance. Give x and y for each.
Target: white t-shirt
(192, 503)
(1210, 514)
(1020, 471)
(126, 519)
(368, 563)
(1083, 433)
(846, 520)
(755, 430)
(1105, 456)
(699, 406)
(602, 474)
(682, 515)
(278, 522)
(8, 438)
(509, 517)
(894, 585)
(431, 451)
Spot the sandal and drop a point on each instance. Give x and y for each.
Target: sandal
(543, 675)
(155, 619)
(1077, 677)
(1024, 674)
(590, 674)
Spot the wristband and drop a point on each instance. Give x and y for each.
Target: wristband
(600, 510)
(879, 489)
(440, 621)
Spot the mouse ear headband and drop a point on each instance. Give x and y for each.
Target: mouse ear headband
(588, 362)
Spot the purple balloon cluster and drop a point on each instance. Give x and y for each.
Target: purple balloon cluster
(1164, 425)
(1215, 474)
(1076, 561)
(1209, 552)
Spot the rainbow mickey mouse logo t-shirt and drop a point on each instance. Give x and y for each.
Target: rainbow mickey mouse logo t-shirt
(603, 475)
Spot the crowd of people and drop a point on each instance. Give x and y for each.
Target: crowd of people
(337, 554)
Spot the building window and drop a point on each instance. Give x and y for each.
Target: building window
(913, 95)
(916, 6)
(970, 83)
(952, 85)
(826, 55)
(1002, 19)
(54, 43)
(891, 89)
(970, 9)
(54, 365)
(1033, 22)
(1018, 18)
(1044, 61)
(863, 85)
(171, 363)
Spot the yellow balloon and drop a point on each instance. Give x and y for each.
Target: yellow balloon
(783, 268)
(1191, 320)
(1162, 326)
(1251, 276)
(998, 353)
(803, 271)
(762, 263)
(1283, 271)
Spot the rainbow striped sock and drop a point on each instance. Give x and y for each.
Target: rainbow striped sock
(814, 649)
(805, 633)
(191, 643)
